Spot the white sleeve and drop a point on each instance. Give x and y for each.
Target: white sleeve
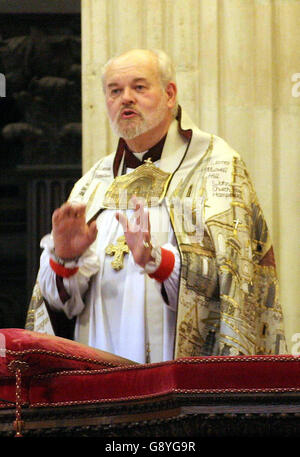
(75, 286)
(171, 284)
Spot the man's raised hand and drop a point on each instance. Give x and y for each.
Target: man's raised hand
(137, 233)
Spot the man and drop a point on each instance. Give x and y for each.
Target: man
(192, 271)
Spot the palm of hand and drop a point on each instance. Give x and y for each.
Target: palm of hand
(135, 237)
(72, 235)
(137, 232)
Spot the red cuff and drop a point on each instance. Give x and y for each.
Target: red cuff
(62, 271)
(166, 266)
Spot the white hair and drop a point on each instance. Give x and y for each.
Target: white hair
(165, 68)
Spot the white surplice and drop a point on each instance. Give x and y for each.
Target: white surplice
(122, 312)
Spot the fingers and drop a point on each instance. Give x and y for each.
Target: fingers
(140, 220)
(123, 221)
(69, 210)
(92, 231)
(146, 222)
(139, 223)
(142, 217)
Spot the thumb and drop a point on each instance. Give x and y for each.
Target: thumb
(92, 231)
(123, 221)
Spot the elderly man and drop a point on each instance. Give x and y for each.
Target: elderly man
(162, 250)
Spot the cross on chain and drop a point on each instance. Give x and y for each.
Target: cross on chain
(118, 251)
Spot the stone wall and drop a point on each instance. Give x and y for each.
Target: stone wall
(237, 63)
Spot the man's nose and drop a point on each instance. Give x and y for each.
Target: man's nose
(128, 95)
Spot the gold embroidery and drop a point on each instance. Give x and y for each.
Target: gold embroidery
(231, 301)
(146, 181)
(236, 224)
(92, 196)
(238, 332)
(230, 268)
(241, 205)
(197, 249)
(35, 303)
(238, 342)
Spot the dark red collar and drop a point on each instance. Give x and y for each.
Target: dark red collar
(130, 161)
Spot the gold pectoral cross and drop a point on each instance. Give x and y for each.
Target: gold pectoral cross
(118, 251)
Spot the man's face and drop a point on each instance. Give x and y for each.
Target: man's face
(135, 99)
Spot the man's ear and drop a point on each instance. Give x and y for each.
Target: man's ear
(171, 91)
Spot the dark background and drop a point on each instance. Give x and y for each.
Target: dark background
(40, 136)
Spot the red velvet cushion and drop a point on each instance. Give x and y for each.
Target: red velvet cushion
(41, 353)
(8, 392)
(61, 371)
(190, 375)
(44, 353)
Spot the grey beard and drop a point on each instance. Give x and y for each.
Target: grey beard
(129, 132)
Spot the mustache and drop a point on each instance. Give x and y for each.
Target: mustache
(129, 107)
